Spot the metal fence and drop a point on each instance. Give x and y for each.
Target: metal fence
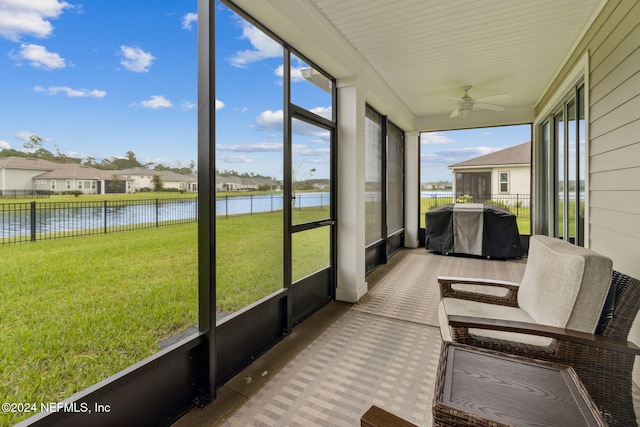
(24, 194)
(29, 222)
(519, 204)
(33, 221)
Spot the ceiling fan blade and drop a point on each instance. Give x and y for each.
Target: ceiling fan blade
(492, 98)
(453, 98)
(455, 113)
(483, 106)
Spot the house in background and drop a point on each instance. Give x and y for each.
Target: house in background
(502, 175)
(244, 183)
(143, 178)
(73, 176)
(30, 174)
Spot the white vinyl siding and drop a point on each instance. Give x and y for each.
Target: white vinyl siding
(613, 44)
(615, 140)
(519, 180)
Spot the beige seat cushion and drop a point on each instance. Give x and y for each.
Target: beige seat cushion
(459, 307)
(564, 285)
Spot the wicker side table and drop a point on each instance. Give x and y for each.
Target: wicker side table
(481, 388)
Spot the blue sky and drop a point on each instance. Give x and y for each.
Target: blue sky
(438, 150)
(249, 114)
(100, 78)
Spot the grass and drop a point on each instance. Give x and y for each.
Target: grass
(249, 256)
(58, 198)
(75, 311)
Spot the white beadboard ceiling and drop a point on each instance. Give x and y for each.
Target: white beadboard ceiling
(425, 50)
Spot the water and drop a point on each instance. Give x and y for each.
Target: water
(69, 217)
(236, 205)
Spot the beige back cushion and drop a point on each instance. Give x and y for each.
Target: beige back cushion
(564, 285)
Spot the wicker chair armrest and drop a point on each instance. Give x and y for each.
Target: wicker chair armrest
(509, 299)
(569, 335)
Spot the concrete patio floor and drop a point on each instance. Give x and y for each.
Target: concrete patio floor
(384, 350)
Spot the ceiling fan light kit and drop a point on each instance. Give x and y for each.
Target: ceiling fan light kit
(466, 104)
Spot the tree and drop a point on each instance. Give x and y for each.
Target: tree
(35, 143)
(115, 183)
(157, 183)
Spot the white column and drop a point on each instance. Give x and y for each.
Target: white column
(351, 214)
(411, 188)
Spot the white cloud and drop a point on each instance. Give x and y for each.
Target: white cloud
(273, 120)
(241, 158)
(136, 59)
(72, 93)
(39, 57)
(435, 138)
(188, 20)
(270, 119)
(21, 17)
(4, 144)
(187, 105)
(23, 135)
(251, 148)
(469, 152)
(455, 155)
(263, 47)
(304, 151)
(154, 103)
(296, 73)
(219, 104)
(322, 112)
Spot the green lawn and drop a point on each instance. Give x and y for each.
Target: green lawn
(75, 311)
(102, 197)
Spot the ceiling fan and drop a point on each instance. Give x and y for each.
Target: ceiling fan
(466, 104)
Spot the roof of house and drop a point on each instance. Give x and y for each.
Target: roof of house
(244, 180)
(28, 163)
(517, 155)
(75, 171)
(166, 176)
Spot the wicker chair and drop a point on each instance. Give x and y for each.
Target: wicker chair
(603, 360)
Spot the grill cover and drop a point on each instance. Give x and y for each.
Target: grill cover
(474, 229)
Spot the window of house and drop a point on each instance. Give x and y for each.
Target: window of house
(567, 166)
(504, 182)
(53, 184)
(68, 184)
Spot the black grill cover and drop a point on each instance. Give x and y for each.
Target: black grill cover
(439, 229)
(500, 237)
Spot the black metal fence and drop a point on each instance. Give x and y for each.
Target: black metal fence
(29, 222)
(519, 204)
(24, 194)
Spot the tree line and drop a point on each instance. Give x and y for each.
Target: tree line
(36, 150)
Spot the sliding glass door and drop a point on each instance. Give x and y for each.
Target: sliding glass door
(565, 130)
